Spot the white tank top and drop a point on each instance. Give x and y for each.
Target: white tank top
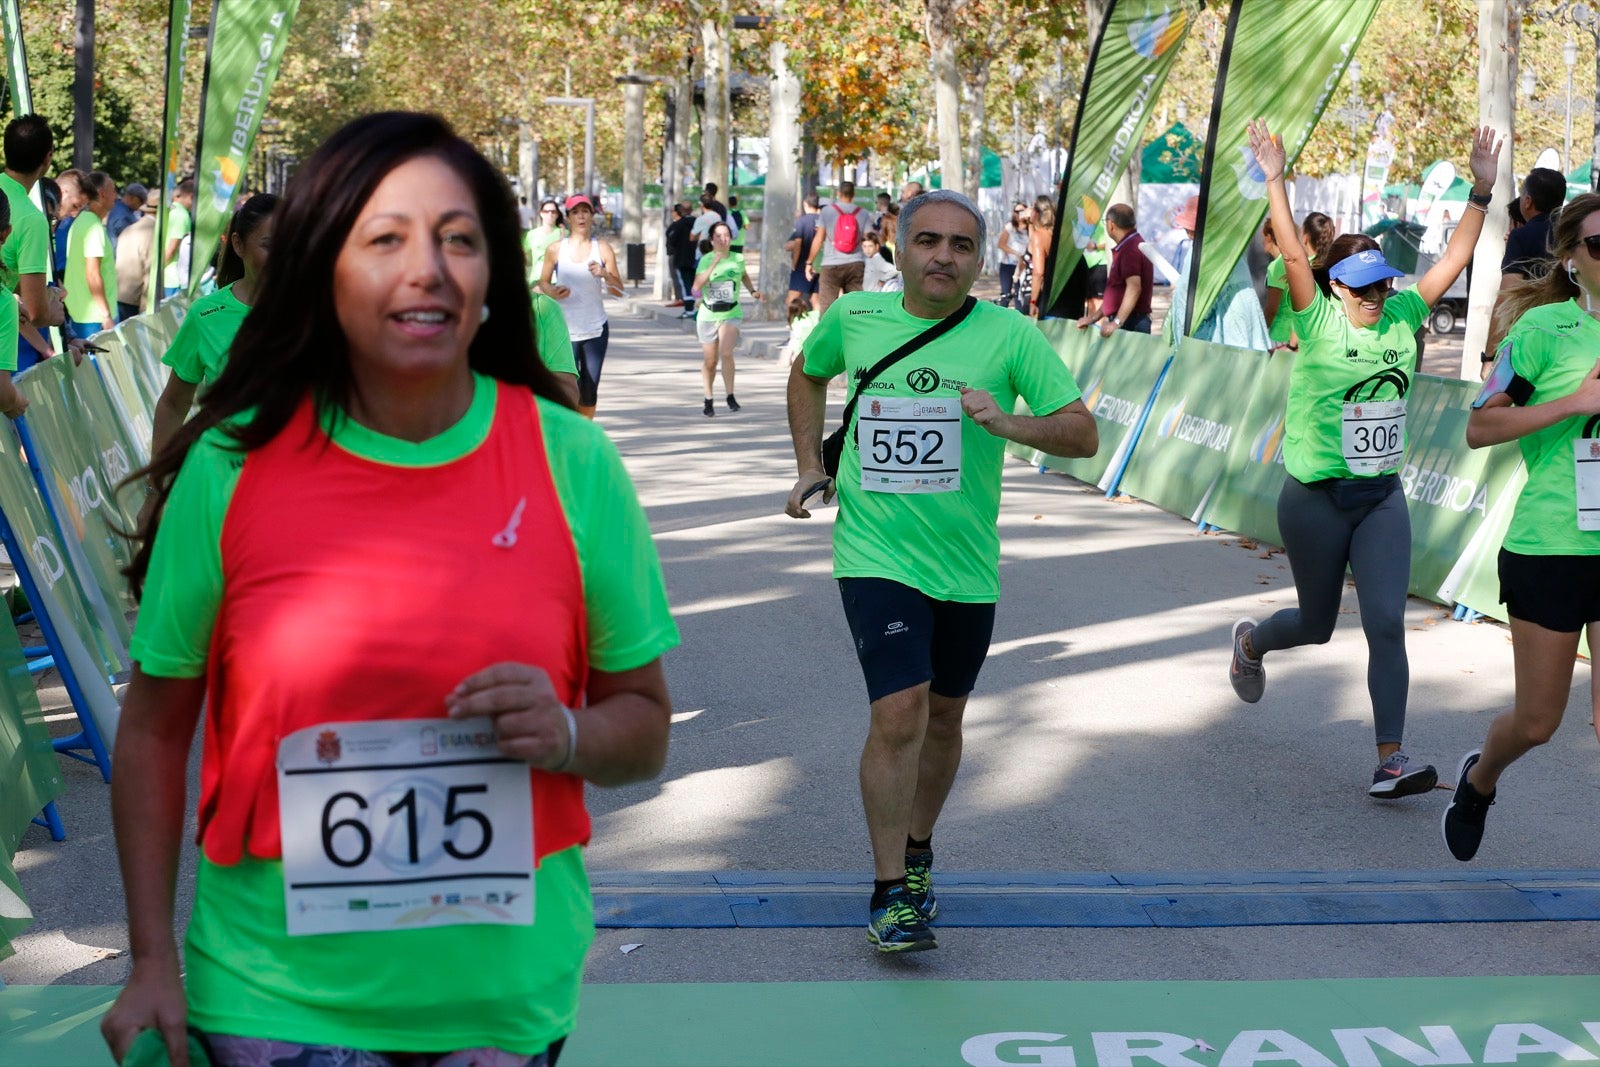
(583, 307)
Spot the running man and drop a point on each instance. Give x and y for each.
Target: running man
(916, 547)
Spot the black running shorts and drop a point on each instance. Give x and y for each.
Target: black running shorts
(1560, 593)
(905, 637)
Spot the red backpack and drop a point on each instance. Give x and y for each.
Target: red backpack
(847, 231)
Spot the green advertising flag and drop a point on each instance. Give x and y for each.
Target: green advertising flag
(16, 59)
(1137, 45)
(247, 42)
(171, 144)
(1280, 61)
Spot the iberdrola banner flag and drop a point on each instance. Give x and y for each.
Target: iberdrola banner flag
(171, 147)
(247, 41)
(1137, 44)
(1281, 61)
(16, 59)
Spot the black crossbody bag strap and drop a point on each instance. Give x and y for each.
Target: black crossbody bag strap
(926, 337)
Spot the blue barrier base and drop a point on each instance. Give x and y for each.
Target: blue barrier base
(50, 819)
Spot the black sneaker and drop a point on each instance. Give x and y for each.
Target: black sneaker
(897, 926)
(1462, 824)
(710, 409)
(733, 405)
(919, 880)
(1248, 676)
(1394, 778)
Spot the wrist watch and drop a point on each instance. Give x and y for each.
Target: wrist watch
(1113, 320)
(1481, 199)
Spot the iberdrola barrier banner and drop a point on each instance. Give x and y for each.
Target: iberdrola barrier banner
(1135, 50)
(1451, 490)
(1474, 581)
(1117, 375)
(1182, 454)
(171, 144)
(1246, 501)
(16, 59)
(247, 42)
(1281, 61)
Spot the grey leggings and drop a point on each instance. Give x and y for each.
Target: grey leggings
(1375, 541)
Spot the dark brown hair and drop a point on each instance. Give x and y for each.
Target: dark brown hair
(246, 219)
(291, 343)
(1343, 247)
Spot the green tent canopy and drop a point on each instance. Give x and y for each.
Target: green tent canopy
(1173, 156)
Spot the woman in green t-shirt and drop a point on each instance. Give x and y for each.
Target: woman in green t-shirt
(1316, 234)
(538, 240)
(1344, 439)
(717, 316)
(1544, 393)
(200, 348)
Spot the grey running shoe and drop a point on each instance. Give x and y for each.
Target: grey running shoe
(897, 926)
(1248, 676)
(919, 880)
(1395, 778)
(1463, 820)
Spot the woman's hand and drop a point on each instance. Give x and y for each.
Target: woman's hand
(530, 721)
(1485, 162)
(152, 1000)
(1267, 148)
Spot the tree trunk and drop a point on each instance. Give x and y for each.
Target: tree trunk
(633, 162)
(714, 29)
(977, 123)
(940, 28)
(527, 164)
(1594, 159)
(1499, 36)
(83, 87)
(669, 191)
(783, 187)
(683, 95)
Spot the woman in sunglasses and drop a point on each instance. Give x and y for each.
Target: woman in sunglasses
(1344, 438)
(1543, 392)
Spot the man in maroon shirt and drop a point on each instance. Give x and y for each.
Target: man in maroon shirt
(1129, 282)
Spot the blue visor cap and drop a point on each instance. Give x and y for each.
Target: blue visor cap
(1362, 269)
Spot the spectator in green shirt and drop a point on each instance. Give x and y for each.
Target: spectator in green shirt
(91, 275)
(25, 254)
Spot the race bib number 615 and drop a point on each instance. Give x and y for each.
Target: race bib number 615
(403, 824)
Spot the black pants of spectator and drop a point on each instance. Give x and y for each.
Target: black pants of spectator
(683, 277)
(1008, 274)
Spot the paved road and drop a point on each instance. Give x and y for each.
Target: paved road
(1103, 739)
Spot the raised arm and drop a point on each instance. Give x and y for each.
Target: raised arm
(1268, 150)
(1458, 253)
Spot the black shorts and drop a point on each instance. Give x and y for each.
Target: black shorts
(1560, 593)
(1097, 281)
(798, 282)
(905, 637)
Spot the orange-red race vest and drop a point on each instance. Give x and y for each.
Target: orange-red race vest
(356, 590)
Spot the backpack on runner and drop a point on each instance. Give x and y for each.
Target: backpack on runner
(847, 231)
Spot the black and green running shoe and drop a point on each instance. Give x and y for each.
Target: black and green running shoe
(919, 881)
(896, 925)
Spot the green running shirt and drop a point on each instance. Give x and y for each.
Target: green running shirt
(945, 544)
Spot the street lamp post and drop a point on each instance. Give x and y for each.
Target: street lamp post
(1586, 18)
(1355, 116)
(587, 103)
